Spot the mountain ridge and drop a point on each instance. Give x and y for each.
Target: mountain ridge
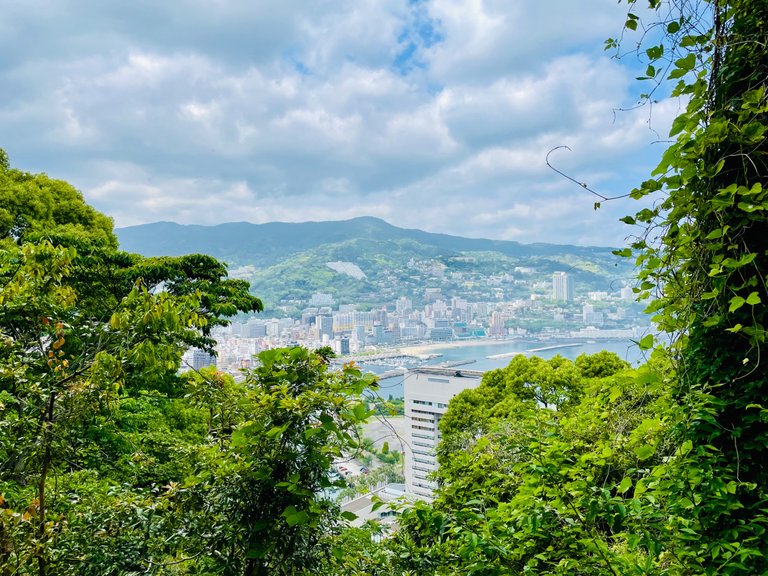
(261, 244)
(287, 262)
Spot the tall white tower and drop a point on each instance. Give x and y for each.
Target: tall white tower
(427, 392)
(562, 286)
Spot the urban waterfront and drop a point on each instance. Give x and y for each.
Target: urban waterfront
(497, 354)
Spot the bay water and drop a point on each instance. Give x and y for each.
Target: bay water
(486, 356)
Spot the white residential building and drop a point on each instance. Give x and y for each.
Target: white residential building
(427, 392)
(562, 286)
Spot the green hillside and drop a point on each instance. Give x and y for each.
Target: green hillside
(287, 263)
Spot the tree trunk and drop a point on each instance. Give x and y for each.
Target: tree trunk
(42, 567)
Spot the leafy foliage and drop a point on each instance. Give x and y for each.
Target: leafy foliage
(660, 470)
(83, 325)
(703, 255)
(265, 493)
(110, 463)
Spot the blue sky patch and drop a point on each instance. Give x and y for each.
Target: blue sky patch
(421, 31)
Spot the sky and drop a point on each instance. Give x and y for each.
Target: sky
(431, 114)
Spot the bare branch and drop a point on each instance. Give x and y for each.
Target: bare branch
(582, 184)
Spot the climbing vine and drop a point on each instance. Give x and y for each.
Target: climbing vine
(703, 255)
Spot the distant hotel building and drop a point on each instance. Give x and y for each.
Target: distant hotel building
(198, 359)
(324, 326)
(341, 346)
(427, 392)
(562, 286)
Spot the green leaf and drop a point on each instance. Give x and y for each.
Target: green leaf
(655, 52)
(360, 411)
(753, 131)
(276, 431)
(715, 234)
(749, 207)
(646, 343)
(678, 125)
(687, 63)
(753, 299)
(347, 515)
(310, 432)
(644, 452)
(736, 303)
(625, 485)
(294, 517)
(753, 96)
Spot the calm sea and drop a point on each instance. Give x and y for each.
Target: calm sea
(477, 357)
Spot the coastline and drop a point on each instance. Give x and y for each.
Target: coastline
(421, 349)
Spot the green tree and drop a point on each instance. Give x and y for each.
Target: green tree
(549, 491)
(532, 380)
(266, 498)
(82, 324)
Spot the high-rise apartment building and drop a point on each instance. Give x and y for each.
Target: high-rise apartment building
(562, 286)
(427, 392)
(403, 305)
(324, 327)
(343, 322)
(200, 359)
(498, 324)
(341, 345)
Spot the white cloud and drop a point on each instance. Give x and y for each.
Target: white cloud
(435, 114)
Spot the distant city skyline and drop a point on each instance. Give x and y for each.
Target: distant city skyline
(587, 316)
(429, 114)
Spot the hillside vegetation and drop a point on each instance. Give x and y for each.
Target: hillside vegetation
(287, 262)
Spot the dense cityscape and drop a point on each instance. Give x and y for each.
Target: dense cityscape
(553, 310)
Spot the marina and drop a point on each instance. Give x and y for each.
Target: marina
(494, 354)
